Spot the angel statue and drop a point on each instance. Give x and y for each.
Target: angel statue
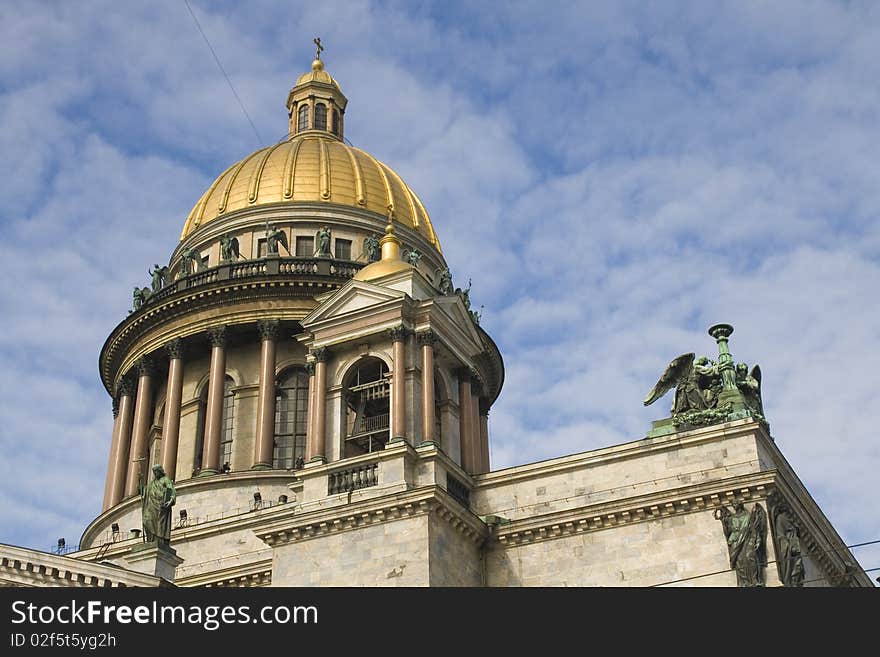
(322, 239)
(749, 384)
(371, 248)
(190, 261)
(140, 296)
(444, 278)
(157, 274)
(274, 237)
(229, 250)
(696, 384)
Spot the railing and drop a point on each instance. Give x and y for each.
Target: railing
(345, 481)
(371, 424)
(458, 490)
(272, 266)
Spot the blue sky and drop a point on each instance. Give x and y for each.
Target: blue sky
(614, 177)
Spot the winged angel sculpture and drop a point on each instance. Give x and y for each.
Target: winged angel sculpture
(698, 384)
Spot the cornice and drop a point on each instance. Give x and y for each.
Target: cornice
(642, 508)
(413, 503)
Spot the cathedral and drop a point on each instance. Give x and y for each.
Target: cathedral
(301, 397)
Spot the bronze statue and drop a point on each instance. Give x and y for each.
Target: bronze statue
(190, 262)
(274, 237)
(786, 540)
(371, 248)
(140, 296)
(322, 240)
(157, 274)
(158, 498)
(229, 251)
(746, 534)
(696, 382)
(749, 384)
(412, 256)
(444, 280)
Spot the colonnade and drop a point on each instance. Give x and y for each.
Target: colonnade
(132, 409)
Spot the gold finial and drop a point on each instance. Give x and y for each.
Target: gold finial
(318, 47)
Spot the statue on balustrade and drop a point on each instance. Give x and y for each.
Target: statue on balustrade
(139, 297)
(229, 251)
(157, 274)
(190, 262)
(322, 241)
(746, 534)
(371, 248)
(157, 499)
(274, 237)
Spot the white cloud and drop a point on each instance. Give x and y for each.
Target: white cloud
(613, 180)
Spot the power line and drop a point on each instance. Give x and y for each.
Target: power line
(728, 570)
(222, 70)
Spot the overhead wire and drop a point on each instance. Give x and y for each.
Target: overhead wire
(225, 75)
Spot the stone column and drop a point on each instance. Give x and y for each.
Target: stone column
(310, 414)
(265, 442)
(484, 434)
(214, 412)
(476, 449)
(143, 410)
(320, 405)
(173, 399)
(464, 419)
(398, 398)
(427, 340)
(118, 465)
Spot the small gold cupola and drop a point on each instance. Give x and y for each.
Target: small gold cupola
(391, 262)
(316, 103)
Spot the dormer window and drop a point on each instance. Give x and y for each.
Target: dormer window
(303, 121)
(320, 116)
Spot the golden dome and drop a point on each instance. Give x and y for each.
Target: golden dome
(312, 167)
(317, 74)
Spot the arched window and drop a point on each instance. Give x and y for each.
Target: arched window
(225, 430)
(367, 395)
(335, 127)
(291, 415)
(303, 121)
(320, 116)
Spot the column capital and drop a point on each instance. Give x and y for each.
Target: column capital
(427, 338)
(463, 374)
(397, 333)
(269, 328)
(145, 366)
(115, 405)
(127, 386)
(217, 335)
(310, 369)
(174, 348)
(319, 354)
(484, 406)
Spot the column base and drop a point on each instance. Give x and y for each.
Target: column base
(396, 439)
(429, 443)
(207, 472)
(316, 460)
(261, 466)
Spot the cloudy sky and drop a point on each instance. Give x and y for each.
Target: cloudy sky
(614, 177)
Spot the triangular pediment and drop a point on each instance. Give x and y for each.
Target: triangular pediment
(454, 307)
(352, 297)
